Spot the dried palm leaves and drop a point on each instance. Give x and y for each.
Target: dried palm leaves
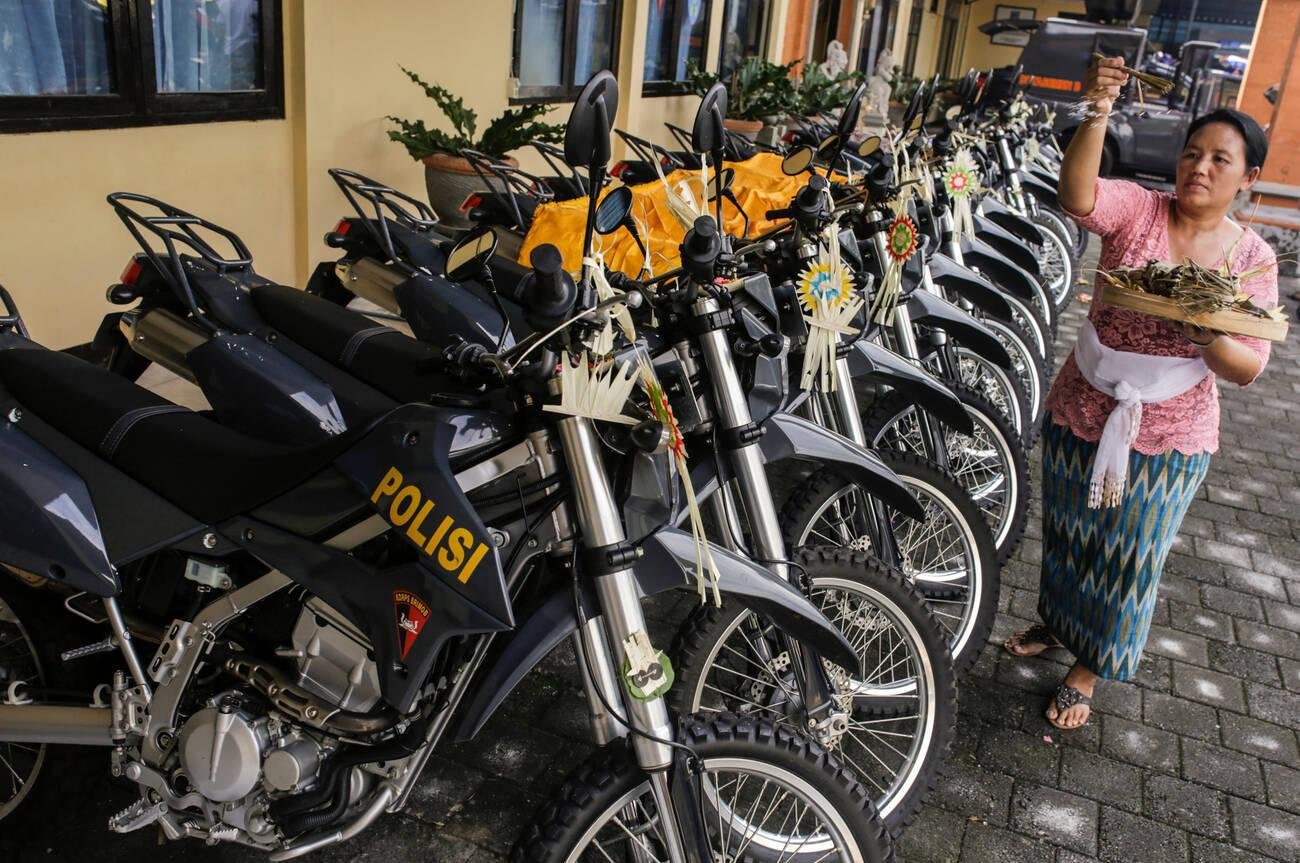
(1159, 86)
(1196, 289)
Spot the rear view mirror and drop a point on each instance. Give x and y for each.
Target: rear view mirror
(829, 145)
(471, 254)
(917, 122)
(586, 135)
(869, 146)
(614, 210)
(798, 161)
(852, 111)
(721, 183)
(708, 134)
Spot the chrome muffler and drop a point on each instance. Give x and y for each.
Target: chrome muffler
(49, 723)
(162, 337)
(371, 280)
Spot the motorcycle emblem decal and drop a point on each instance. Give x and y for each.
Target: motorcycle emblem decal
(456, 549)
(412, 613)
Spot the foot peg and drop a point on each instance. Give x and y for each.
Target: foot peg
(105, 646)
(139, 814)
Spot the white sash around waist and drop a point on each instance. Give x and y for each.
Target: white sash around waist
(1131, 379)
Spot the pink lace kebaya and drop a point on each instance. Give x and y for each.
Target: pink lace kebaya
(1133, 223)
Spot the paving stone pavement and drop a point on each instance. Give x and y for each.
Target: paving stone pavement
(1195, 761)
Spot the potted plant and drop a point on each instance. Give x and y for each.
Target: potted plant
(818, 93)
(449, 178)
(756, 91)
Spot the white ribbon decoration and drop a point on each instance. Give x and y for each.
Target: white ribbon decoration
(1132, 379)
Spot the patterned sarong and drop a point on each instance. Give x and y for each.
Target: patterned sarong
(1101, 567)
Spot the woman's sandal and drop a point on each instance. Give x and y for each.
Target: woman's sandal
(1065, 698)
(1036, 634)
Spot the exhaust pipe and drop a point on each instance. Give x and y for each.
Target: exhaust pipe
(49, 723)
(162, 337)
(371, 280)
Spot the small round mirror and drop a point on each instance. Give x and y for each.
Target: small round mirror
(829, 144)
(721, 182)
(798, 161)
(917, 122)
(953, 113)
(868, 146)
(613, 210)
(470, 254)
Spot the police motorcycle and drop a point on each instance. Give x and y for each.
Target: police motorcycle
(1016, 391)
(754, 316)
(325, 614)
(949, 555)
(999, 132)
(337, 347)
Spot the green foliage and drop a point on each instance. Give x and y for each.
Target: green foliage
(756, 89)
(818, 93)
(514, 128)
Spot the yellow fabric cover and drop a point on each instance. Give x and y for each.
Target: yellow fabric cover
(759, 186)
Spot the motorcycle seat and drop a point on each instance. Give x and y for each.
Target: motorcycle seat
(402, 368)
(200, 466)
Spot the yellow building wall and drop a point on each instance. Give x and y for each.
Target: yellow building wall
(62, 243)
(266, 180)
(978, 50)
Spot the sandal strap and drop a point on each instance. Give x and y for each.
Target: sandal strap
(1038, 634)
(1068, 696)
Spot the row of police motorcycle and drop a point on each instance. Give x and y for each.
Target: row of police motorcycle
(272, 612)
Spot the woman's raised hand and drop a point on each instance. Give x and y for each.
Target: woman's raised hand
(1102, 84)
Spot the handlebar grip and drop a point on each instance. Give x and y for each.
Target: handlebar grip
(548, 292)
(783, 213)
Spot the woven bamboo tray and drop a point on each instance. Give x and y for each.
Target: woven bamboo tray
(1228, 320)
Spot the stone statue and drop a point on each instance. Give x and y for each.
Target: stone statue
(878, 87)
(837, 59)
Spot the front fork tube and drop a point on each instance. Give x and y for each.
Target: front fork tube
(621, 615)
(932, 440)
(839, 412)
(750, 482)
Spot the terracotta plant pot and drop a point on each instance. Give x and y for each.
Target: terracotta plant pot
(448, 180)
(745, 128)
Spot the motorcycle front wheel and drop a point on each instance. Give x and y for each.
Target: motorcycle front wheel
(767, 793)
(948, 556)
(900, 709)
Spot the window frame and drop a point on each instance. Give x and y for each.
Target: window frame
(768, 7)
(679, 88)
(532, 94)
(137, 101)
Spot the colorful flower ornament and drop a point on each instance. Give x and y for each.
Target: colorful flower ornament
(826, 292)
(900, 243)
(961, 181)
(901, 238)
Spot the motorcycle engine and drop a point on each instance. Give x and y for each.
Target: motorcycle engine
(334, 658)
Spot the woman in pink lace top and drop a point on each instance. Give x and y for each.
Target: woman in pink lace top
(1101, 566)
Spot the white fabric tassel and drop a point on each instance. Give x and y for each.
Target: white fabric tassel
(1110, 467)
(1131, 379)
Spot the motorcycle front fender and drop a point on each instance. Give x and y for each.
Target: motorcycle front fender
(1009, 220)
(668, 561)
(1008, 244)
(999, 268)
(789, 436)
(926, 308)
(969, 285)
(1043, 192)
(877, 362)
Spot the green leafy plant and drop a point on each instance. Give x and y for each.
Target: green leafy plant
(514, 128)
(818, 93)
(756, 89)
